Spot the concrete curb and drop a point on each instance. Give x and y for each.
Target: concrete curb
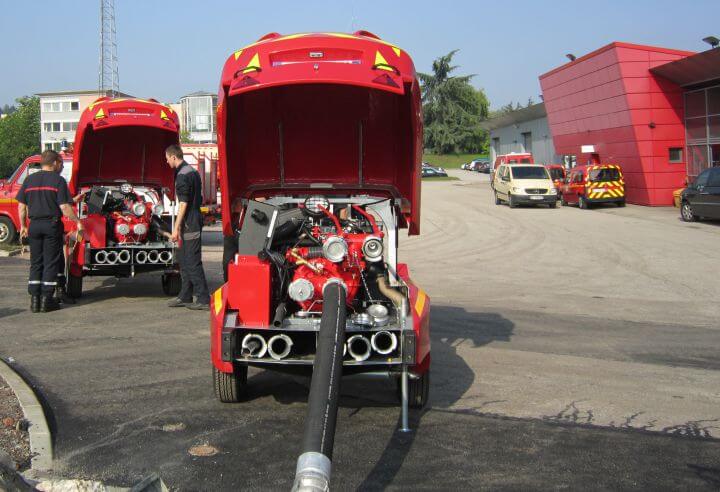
(40, 437)
(14, 252)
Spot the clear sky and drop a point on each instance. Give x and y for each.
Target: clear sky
(168, 48)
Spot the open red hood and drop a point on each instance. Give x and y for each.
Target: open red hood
(321, 113)
(124, 139)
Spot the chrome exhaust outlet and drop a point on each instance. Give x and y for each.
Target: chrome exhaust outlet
(253, 345)
(112, 257)
(279, 346)
(123, 256)
(384, 342)
(101, 257)
(165, 256)
(153, 256)
(141, 257)
(358, 347)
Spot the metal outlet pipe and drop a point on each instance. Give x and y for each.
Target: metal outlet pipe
(384, 342)
(101, 257)
(165, 256)
(141, 257)
(253, 345)
(112, 257)
(358, 347)
(153, 256)
(279, 346)
(315, 463)
(123, 256)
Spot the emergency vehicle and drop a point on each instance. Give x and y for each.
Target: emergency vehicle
(9, 218)
(588, 185)
(557, 174)
(511, 158)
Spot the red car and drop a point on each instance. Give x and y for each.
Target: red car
(557, 174)
(320, 144)
(119, 167)
(588, 185)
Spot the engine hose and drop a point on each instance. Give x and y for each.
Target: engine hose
(314, 252)
(280, 312)
(315, 463)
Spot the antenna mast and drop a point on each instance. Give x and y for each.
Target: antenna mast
(108, 81)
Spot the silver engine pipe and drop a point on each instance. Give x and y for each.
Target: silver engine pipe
(165, 256)
(384, 342)
(123, 256)
(279, 346)
(359, 347)
(153, 256)
(101, 257)
(112, 257)
(253, 345)
(141, 257)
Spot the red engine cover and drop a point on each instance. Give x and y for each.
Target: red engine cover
(249, 290)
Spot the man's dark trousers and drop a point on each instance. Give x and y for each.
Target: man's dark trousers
(191, 269)
(46, 255)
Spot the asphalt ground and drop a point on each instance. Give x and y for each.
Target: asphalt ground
(571, 349)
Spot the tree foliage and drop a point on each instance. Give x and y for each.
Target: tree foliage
(453, 110)
(19, 134)
(185, 137)
(7, 109)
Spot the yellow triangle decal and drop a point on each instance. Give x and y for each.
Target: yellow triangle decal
(254, 63)
(396, 50)
(381, 62)
(163, 115)
(100, 114)
(237, 54)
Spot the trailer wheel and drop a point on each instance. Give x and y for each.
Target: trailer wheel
(171, 283)
(8, 233)
(418, 390)
(230, 387)
(74, 286)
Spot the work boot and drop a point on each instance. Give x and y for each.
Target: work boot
(199, 306)
(48, 303)
(62, 297)
(177, 302)
(35, 304)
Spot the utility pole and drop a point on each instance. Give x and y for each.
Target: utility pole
(108, 81)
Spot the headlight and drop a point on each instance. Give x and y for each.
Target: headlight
(140, 229)
(313, 204)
(138, 208)
(372, 248)
(122, 229)
(158, 209)
(126, 188)
(335, 249)
(552, 191)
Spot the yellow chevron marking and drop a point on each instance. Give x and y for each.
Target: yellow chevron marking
(253, 64)
(380, 61)
(217, 301)
(100, 114)
(237, 54)
(420, 302)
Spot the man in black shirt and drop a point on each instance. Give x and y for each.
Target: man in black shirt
(188, 232)
(44, 198)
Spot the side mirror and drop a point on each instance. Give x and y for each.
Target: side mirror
(505, 178)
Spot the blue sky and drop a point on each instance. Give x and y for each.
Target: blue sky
(169, 48)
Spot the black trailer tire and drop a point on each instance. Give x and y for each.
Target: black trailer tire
(229, 388)
(74, 286)
(171, 284)
(8, 233)
(418, 390)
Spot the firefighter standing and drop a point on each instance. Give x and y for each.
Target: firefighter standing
(188, 232)
(44, 198)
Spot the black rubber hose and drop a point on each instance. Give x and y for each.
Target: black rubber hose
(314, 463)
(280, 312)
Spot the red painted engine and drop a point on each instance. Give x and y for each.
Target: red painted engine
(132, 224)
(339, 256)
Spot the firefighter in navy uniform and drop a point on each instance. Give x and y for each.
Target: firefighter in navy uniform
(188, 232)
(44, 198)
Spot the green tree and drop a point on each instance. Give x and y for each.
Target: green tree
(185, 137)
(19, 134)
(453, 110)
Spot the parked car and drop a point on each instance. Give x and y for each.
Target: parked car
(590, 185)
(557, 174)
(511, 158)
(701, 198)
(528, 184)
(483, 167)
(432, 172)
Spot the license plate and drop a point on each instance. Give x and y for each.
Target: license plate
(536, 197)
(599, 190)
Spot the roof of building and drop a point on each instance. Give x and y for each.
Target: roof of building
(692, 70)
(534, 112)
(199, 93)
(618, 44)
(80, 93)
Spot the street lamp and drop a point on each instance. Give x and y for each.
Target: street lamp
(571, 57)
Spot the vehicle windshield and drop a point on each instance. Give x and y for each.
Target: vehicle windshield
(529, 172)
(603, 175)
(556, 174)
(524, 160)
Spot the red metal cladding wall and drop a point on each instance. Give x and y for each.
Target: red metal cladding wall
(609, 99)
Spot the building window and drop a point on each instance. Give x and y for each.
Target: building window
(47, 127)
(527, 142)
(74, 106)
(69, 126)
(675, 154)
(48, 146)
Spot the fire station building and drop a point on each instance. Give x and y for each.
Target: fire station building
(654, 111)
